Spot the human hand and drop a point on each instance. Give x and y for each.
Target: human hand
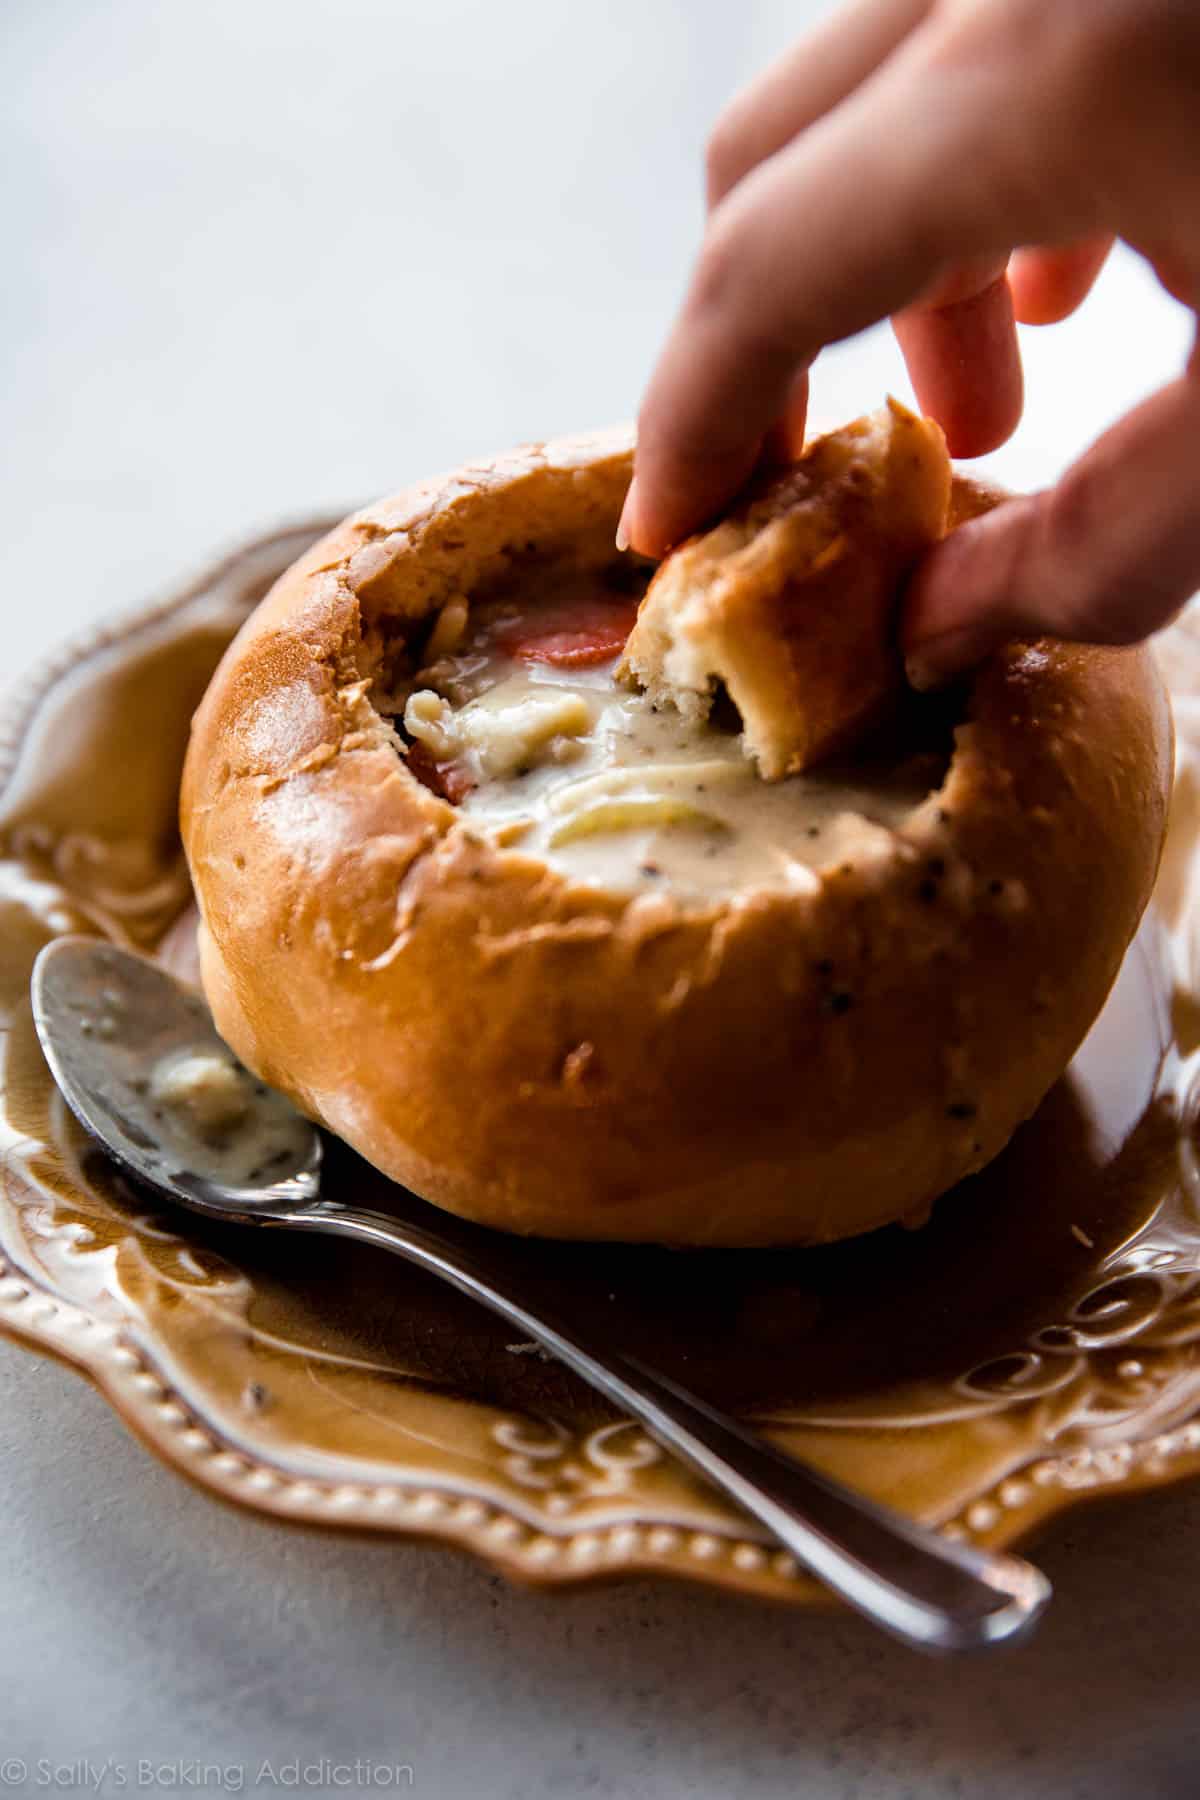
(888, 165)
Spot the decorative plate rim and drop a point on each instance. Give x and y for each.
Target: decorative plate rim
(154, 1410)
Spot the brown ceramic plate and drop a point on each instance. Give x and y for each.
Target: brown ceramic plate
(1035, 1343)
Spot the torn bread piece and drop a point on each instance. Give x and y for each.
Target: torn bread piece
(790, 601)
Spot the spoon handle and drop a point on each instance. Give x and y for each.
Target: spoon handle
(918, 1586)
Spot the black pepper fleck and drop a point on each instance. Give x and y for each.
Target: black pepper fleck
(824, 967)
(995, 887)
(928, 891)
(961, 1109)
(839, 1001)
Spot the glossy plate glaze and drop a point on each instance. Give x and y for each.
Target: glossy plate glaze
(1034, 1344)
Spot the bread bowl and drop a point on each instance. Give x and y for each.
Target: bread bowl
(533, 1041)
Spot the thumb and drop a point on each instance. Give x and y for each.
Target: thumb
(1106, 557)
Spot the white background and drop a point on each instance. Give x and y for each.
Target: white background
(269, 257)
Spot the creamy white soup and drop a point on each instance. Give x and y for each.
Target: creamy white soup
(520, 722)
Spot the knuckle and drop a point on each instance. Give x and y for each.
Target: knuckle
(1035, 81)
(724, 156)
(738, 293)
(1101, 63)
(719, 279)
(1094, 50)
(732, 301)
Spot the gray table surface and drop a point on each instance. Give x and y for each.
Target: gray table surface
(265, 259)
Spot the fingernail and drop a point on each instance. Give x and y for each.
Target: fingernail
(625, 526)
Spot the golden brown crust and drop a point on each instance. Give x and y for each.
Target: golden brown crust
(553, 1059)
(790, 601)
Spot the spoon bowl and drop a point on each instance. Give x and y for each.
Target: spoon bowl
(138, 1060)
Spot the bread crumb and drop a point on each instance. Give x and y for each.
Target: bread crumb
(576, 1064)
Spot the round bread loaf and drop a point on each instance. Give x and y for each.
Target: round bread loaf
(548, 1056)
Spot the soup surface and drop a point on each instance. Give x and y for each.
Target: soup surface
(517, 718)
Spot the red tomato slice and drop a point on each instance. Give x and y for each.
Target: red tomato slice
(577, 635)
(448, 780)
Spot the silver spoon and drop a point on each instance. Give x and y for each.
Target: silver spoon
(140, 1064)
